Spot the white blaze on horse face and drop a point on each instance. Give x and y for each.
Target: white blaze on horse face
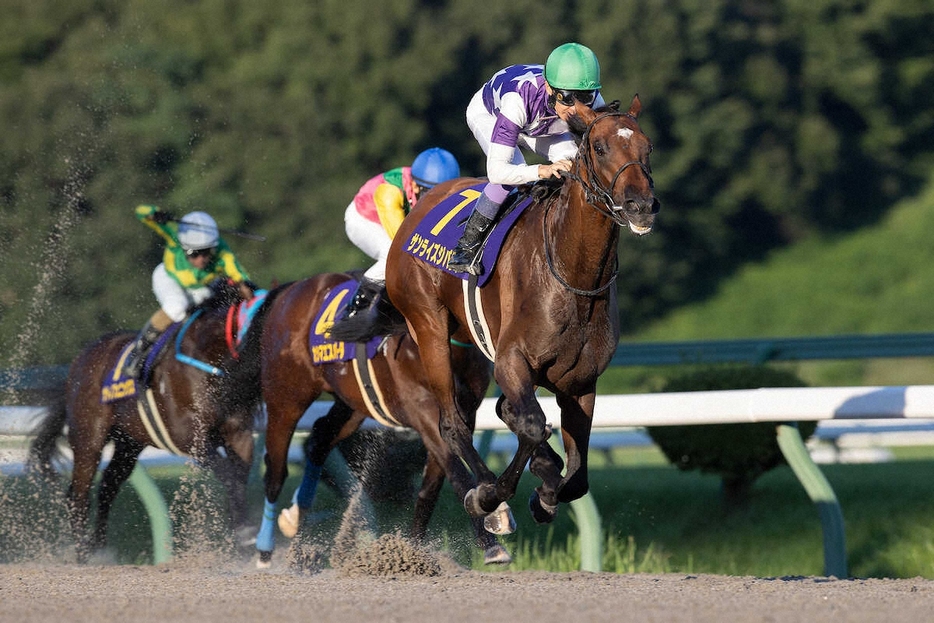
(624, 133)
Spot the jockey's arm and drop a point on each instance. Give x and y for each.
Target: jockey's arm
(145, 214)
(227, 264)
(390, 206)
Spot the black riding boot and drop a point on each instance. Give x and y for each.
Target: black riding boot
(367, 292)
(465, 253)
(359, 312)
(144, 341)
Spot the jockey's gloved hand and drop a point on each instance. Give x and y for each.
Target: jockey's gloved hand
(220, 285)
(248, 290)
(162, 217)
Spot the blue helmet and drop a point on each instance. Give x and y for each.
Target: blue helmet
(434, 166)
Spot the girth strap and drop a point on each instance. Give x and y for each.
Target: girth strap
(366, 380)
(477, 324)
(155, 426)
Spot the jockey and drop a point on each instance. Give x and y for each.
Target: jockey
(195, 255)
(376, 212)
(525, 106)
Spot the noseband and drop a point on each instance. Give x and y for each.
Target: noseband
(599, 196)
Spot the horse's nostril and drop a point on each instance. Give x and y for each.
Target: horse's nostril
(642, 206)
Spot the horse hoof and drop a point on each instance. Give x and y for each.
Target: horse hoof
(472, 504)
(542, 513)
(289, 521)
(496, 555)
(264, 561)
(501, 520)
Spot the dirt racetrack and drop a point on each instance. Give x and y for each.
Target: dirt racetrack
(182, 593)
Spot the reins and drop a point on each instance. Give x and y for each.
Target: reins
(598, 197)
(191, 361)
(549, 261)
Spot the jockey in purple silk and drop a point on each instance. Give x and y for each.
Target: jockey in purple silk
(525, 106)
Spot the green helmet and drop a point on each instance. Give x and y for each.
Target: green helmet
(574, 67)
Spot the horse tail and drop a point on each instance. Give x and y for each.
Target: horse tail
(242, 384)
(44, 448)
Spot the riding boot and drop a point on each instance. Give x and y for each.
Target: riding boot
(360, 313)
(463, 260)
(144, 341)
(368, 290)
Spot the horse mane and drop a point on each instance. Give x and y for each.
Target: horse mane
(223, 294)
(241, 383)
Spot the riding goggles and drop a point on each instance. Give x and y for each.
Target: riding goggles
(566, 97)
(193, 253)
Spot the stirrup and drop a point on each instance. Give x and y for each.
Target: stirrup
(469, 265)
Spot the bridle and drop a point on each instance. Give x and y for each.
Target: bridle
(598, 197)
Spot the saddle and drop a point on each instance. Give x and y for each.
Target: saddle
(435, 237)
(324, 350)
(118, 386)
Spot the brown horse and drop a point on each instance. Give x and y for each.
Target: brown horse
(549, 308)
(194, 407)
(291, 382)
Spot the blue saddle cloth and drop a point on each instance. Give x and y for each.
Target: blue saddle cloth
(118, 386)
(324, 350)
(435, 237)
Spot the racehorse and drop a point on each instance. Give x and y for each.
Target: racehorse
(390, 387)
(191, 404)
(547, 316)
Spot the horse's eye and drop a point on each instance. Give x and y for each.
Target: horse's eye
(599, 149)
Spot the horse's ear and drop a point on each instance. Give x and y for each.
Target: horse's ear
(635, 107)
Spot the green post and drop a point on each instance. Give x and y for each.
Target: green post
(820, 492)
(158, 512)
(587, 518)
(484, 443)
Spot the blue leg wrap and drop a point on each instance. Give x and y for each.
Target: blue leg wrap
(266, 539)
(305, 495)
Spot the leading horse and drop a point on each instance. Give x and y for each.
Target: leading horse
(390, 387)
(548, 315)
(193, 404)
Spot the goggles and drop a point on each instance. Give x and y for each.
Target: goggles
(193, 253)
(566, 97)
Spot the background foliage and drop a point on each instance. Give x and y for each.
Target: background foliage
(774, 123)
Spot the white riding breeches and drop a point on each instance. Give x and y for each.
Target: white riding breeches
(371, 238)
(173, 298)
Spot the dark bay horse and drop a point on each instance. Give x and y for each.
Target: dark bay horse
(548, 314)
(194, 406)
(291, 382)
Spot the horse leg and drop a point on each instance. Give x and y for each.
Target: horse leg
(126, 454)
(283, 415)
(434, 349)
(441, 462)
(86, 461)
(576, 425)
(87, 437)
(520, 411)
(337, 424)
(233, 471)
